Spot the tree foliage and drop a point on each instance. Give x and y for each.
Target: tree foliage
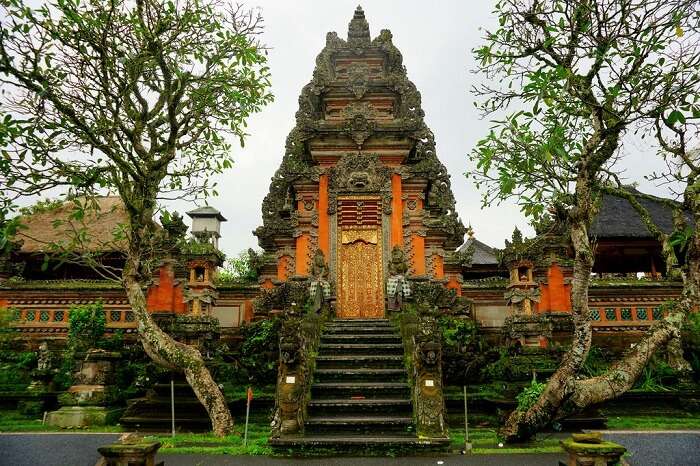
(139, 98)
(565, 81)
(242, 268)
(86, 325)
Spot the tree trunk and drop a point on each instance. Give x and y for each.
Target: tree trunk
(564, 394)
(522, 425)
(166, 351)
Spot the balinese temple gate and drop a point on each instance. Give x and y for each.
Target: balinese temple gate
(359, 177)
(361, 205)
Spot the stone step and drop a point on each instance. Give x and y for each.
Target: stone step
(350, 407)
(360, 322)
(368, 390)
(361, 375)
(354, 443)
(360, 348)
(335, 330)
(360, 338)
(359, 361)
(182, 389)
(374, 424)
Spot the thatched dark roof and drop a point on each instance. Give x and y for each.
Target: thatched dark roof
(483, 254)
(618, 219)
(41, 230)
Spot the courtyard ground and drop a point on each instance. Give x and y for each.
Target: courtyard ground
(646, 448)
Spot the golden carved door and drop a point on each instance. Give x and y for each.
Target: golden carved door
(360, 269)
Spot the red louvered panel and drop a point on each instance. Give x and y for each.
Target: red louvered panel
(359, 212)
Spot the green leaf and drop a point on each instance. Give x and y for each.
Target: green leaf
(676, 117)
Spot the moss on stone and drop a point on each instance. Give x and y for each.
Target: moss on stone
(62, 285)
(605, 447)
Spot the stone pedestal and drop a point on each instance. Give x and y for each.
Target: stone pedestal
(83, 416)
(592, 450)
(85, 402)
(527, 330)
(139, 453)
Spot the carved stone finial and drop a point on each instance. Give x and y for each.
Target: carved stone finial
(358, 29)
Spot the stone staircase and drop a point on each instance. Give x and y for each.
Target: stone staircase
(360, 397)
(151, 413)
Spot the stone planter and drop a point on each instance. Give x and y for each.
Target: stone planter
(592, 450)
(137, 453)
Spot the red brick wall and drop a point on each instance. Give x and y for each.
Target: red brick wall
(167, 294)
(555, 294)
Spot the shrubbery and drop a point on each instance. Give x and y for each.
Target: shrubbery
(260, 350)
(86, 325)
(529, 395)
(15, 363)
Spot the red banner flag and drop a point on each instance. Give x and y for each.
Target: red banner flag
(250, 394)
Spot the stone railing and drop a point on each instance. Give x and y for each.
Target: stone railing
(300, 336)
(423, 353)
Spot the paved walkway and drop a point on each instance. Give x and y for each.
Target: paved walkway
(679, 448)
(52, 449)
(437, 460)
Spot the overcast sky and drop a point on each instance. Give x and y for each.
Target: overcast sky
(436, 44)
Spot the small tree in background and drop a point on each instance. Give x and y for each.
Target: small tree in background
(136, 98)
(243, 268)
(566, 81)
(86, 325)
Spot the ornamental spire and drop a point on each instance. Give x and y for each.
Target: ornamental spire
(358, 29)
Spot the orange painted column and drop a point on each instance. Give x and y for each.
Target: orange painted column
(282, 268)
(439, 267)
(166, 295)
(302, 250)
(323, 222)
(555, 295)
(396, 211)
(418, 254)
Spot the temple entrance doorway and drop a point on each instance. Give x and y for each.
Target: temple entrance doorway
(360, 270)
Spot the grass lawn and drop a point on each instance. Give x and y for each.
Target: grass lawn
(677, 421)
(258, 433)
(13, 421)
(483, 440)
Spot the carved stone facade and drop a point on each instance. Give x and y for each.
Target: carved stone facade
(359, 137)
(428, 400)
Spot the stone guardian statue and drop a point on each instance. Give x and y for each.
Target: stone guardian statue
(397, 286)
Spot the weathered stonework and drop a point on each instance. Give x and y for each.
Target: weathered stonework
(85, 403)
(359, 132)
(428, 400)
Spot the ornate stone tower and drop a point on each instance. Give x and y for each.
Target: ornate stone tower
(359, 176)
